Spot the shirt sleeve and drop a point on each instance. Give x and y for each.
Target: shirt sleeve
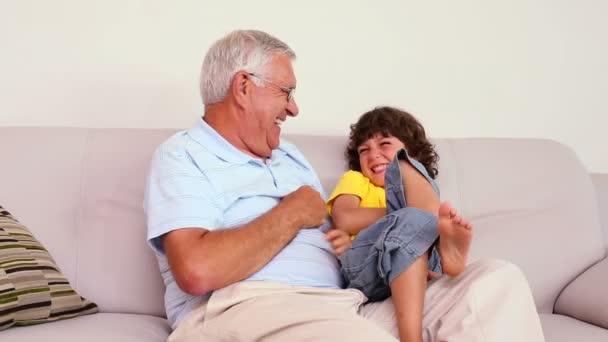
(351, 183)
(178, 195)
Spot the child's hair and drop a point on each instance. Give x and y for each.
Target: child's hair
(398, 123)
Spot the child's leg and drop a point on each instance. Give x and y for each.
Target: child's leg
(454, 232)
(408, 297)
(419, 193)
(409, 286)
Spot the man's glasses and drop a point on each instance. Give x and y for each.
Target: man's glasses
(289, 91)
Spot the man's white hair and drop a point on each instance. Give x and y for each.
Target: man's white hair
(241, 50)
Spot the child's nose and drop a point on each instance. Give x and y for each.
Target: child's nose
(375, 154)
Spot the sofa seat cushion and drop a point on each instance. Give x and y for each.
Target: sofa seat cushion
(101, 327)
(586, 297)
(558, 328)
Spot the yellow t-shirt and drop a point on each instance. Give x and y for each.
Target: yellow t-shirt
(355, 183)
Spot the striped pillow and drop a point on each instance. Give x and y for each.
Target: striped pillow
(32, 289)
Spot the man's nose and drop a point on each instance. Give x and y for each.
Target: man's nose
(292, 108)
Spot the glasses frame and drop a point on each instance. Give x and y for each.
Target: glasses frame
(287, 90)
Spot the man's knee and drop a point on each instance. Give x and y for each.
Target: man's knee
(501, 276)
(382, 314)
(488, 265)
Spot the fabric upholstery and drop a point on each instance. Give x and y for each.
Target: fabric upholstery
(112, 232)
(586, 297)
(32, 288)
(50, 209)
(81, 196)
(531, 202)
(101, 327)
(600, 180)
(80, 192)
(559, 328)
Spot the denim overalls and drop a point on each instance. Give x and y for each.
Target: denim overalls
(388, 247)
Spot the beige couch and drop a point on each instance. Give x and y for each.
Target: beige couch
(80, 191)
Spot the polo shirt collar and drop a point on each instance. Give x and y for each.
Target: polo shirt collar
(210, 138)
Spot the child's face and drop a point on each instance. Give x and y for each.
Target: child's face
(375, 154)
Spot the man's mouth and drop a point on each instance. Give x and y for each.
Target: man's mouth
(278, 121)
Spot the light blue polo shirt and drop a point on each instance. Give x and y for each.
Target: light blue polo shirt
(198, 179)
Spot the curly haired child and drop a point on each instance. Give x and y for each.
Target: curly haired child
(389, 200)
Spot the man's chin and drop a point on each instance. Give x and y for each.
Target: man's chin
(274, 142)
(266, 151)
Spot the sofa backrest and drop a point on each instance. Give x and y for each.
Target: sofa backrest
(600, 180)
(80, 191)
(533, 203)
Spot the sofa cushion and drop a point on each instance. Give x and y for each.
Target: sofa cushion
(32, 289)
(559, 328)
(586, 297)
(101, 327)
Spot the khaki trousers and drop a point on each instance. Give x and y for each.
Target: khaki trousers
(490, 301)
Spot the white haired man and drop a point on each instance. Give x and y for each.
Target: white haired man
(233, 212)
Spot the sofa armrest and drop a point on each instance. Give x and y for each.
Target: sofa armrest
(600, 180)
(586, 298)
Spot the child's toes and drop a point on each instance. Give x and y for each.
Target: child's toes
(457, 220)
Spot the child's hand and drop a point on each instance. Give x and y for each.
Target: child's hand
(339, 240)
(432, 275)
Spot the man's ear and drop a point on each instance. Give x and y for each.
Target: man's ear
(241, 88)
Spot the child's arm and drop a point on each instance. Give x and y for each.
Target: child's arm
(347, 215)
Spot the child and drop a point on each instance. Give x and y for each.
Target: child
(390, 201)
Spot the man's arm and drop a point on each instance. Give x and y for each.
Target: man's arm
(202, 261)
(349, 217)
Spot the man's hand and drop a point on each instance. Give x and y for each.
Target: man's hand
(307, 206)
(339, 240)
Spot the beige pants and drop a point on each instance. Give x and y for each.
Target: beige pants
(490, 301)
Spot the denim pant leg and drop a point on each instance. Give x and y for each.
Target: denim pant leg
(395, 197)
(387, 248)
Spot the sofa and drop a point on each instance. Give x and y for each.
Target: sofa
(80, 190)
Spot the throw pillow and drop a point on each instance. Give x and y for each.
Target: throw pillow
(32, 289)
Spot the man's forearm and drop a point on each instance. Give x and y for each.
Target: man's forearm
(240, 252)
(202, 261)
(212, 260)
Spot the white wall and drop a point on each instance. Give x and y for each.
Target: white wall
(518, 68)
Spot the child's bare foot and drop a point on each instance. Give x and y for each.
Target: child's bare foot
(455, 235)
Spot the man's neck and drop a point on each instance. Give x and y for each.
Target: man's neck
(224, 120)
